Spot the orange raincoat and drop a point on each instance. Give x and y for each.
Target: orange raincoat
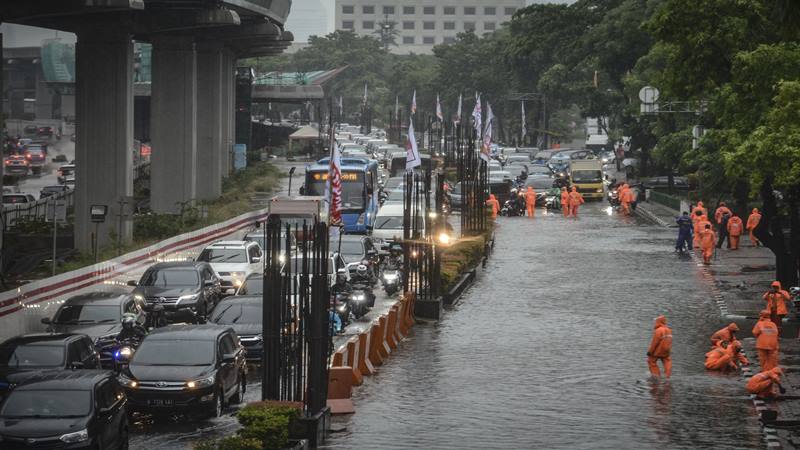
(575, 200)
(766, 334)
(707, 240)
(722, 358)
(494, 204)
(763, 384)
(735, 230)
(701, 208)
(660, 348)
(530, 201)
(565, 202)
(721, 211)
(725, 335)
(752, 223)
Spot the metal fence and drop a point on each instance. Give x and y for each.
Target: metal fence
(15, 214)
(420, 257)
(296, 300)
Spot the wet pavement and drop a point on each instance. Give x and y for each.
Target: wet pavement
(547, 350)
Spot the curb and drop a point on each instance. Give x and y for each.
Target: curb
(644, 213)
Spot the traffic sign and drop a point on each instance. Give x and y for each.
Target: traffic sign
(57, 211)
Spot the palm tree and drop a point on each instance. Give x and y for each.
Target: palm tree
(387, 32)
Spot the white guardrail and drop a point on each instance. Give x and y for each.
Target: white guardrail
(21, 309)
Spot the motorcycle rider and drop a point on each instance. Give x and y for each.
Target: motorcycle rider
(131, 330)
(684, 232)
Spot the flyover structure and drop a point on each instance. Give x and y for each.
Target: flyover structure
(195, 46)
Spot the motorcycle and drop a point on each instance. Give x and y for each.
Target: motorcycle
(358, 303)
(156, 317)
(512, 209)
(392, 279)
(124, 350)
(795, 293)
(613, 197)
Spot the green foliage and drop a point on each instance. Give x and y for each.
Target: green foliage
(230, 443)
(265, 426)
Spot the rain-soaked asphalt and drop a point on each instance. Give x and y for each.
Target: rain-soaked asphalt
(547, 350)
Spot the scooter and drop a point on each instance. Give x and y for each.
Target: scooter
(358, 303)
(123, 352)
(392, 279)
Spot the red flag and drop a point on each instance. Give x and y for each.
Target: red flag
(335, 187)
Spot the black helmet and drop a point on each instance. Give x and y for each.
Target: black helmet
(128, 321)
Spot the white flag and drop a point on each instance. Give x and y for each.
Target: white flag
(439, 108)
(414, 103)
(412, 153)
(524, 126)
(365, 93)
(477, 115)
(396, 105)
(341, 106)
(487, 134)
(458, 112)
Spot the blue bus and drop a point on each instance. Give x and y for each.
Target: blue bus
(359, 190)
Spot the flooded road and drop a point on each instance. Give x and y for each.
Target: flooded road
(547, 350)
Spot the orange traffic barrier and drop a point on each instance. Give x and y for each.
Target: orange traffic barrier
(391, 325)
(401, 318)
(375, 341)
(383, 347)
(352, 361)
(338, 358)
(364, 364)
(340, 389)
(411, 299)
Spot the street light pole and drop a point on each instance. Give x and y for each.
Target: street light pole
(291, 174)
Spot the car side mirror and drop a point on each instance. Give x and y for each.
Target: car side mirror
(228, 358)
(371, 253)
(208, 283)
(255, 259)
(132, 283)
(341, 271)
(46, 320)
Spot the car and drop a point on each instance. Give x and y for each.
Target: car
(257, 236)
(183, 288)
(16, 165)
(534, 170)
(52, 190)
(521, 158)
(36, 157)
(69, 181)
(83, 409)
(253, 285)
(335, 263)
(356, 250)
(186, 368)
(662, 182)
(98, 315)
(65, 171)
(389, 223)
(243, 313)
(542, 186)
(30, 130)
(233, 261)
(15, 199)
(23, 356)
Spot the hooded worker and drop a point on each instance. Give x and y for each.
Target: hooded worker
(575, 200)
(530, 201)
(700, 222)
(494, 204)
(701, 208)
(722, 230)
(766, 334)
(726, 357)
(660, 348)
(752, 223)
(707, 240)
(735, 230)
(625, 197)
(725, 335)
(565, 202)
(684, 232)
(776, 299)
(764, 383)
(721, 211)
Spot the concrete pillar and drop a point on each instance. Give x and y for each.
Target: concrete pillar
(229, 104)
(173, 124)
(210, 111)
(104, 134)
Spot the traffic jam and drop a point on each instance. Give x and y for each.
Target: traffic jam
(182, 338)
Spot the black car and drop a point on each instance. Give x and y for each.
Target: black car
(72, 409)
(183, 288)
(243, 313)
(357, 250)
(186, 368)
(252, 285)
(98, 315)
(24, 356)
(55, 189)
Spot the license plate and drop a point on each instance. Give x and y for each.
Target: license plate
(160, 402)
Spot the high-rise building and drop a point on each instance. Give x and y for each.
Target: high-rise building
(310, 18)
(421, 24)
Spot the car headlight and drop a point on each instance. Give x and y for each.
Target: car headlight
(341, 308)
(600, 190)
(139, 297)
(390, 276)
(184, 298)
(237, 274)
(127, 382)
(358, 297)
(126, 352)
(201, 383)
(78, 436)
(282, 258)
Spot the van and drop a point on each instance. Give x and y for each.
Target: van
(389, 223)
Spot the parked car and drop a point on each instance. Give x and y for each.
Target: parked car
(16, 165)
(662, 182)
(99, 316)
(233, 261)
(243, 313)
(65, 171)
(24, 356)
(14, 199)
(186, 368)
(85, 409)
(55, 189)
(253, 285)
(183, 288)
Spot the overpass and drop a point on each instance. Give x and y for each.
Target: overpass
(195, 45)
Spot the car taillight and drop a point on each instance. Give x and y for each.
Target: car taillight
(28, 156)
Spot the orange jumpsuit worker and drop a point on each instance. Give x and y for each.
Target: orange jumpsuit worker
(726, 335)
(494, 204)
(776, 299)
(530, 201)
(701, 208)
(763, 384)
(707, 240)
(623, 199)
(735, 230)
(752, 223)
(766, 334)
(660, 348)
(627, 199)
(565, 202)
(726, 358)
(721, 211)
(575, 200)
(699, 221)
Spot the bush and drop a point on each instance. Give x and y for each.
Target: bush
(266, 426)
(230, 443)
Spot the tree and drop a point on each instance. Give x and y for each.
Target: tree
(387, 33)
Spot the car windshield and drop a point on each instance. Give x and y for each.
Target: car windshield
(540, 183)
(587, 176)
(253, 285)
(170, 277)
(14, 199)
(71, 314)
(32, 355)
(352, 249)
(296, 265)
(47, 403)
(238, 313)
(223, 255)
(389, 223)
(163, 352)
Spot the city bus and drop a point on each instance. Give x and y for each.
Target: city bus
(359, 191)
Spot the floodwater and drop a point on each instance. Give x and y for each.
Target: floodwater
(547, 350)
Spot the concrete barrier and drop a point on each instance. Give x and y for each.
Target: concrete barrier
(376, 341)
(383, 347)
(340, 389)
(353, 360)
(21, 309)
(391, 327)
(364, 364)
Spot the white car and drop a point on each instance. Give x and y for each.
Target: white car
(233, 261)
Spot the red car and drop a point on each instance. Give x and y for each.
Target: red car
(16, 165)
(36, 158)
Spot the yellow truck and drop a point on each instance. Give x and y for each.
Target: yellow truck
(587, 176)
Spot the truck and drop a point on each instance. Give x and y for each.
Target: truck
(298, 210)
(587, 176)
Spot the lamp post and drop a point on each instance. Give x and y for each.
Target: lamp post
(291, 174)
